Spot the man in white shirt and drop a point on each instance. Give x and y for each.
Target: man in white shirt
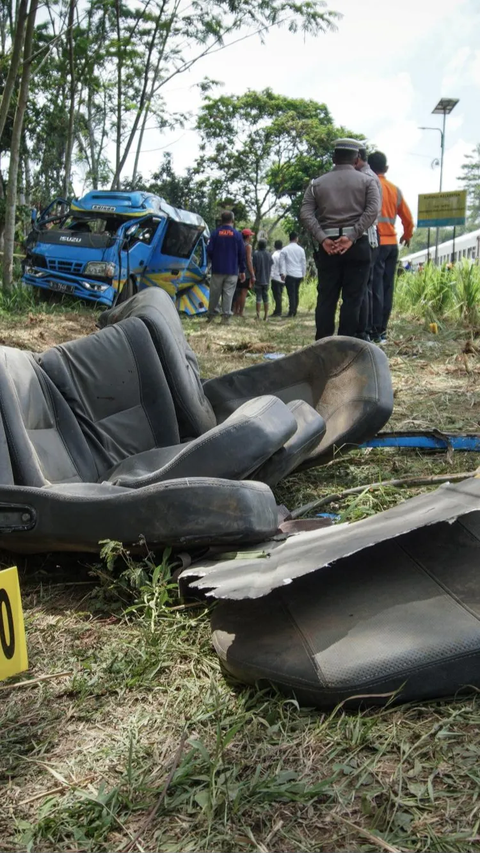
(277, 283)
(293, 266)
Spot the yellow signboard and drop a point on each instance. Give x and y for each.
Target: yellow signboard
(13, 647)
(436, 210)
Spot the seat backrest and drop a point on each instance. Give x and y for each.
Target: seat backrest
(45, 442)
(346, 380)
(114, 384)
(155, 308)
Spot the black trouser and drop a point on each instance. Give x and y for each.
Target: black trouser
(383, 283)
(365, 323)
(346, 274)
(277, 290)
(293, 286)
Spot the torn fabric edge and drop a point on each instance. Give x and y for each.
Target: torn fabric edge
(276, 563)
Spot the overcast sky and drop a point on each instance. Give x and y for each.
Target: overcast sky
(381, 73)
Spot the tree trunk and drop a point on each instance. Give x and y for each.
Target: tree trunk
(11, 204)
(118, 145)
(120, 163)
(71, 107)
(15, 62)
(2, 221)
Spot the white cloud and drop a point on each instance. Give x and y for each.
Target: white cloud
(455, 69)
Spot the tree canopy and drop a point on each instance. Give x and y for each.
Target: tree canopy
(263, 148)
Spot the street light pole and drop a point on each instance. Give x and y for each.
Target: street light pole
(444, 107)
(443, 149)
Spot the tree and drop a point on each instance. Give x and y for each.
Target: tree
(11, 200)
(264, 148)
(175, 37)
(14, 64)
(470, 178)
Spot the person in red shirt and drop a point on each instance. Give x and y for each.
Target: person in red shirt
(393, 205)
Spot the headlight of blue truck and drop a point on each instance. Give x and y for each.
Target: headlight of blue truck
(100, 268)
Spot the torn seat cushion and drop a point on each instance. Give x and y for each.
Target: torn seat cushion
(157, 310)
(399, 621)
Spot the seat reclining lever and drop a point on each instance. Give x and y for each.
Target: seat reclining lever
(15, 517)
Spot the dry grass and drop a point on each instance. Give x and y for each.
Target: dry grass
(84, 758)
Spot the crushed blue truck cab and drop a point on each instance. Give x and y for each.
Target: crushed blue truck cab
(108, 245)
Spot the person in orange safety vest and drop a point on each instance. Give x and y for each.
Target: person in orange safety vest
(393, 205)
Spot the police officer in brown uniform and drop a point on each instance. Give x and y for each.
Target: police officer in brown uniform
(338, 208)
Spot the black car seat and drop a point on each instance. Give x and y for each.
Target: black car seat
(182, 513)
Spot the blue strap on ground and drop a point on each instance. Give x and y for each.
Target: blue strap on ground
(426, 441)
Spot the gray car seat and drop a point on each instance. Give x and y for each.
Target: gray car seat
(98, 409)
(395, 618)
(347, 381)
(89, 450)
(398, 622)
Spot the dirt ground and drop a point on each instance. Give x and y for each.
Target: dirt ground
(129, 738)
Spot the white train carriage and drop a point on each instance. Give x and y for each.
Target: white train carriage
(466, 247)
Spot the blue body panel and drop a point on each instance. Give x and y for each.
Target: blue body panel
(427, 441)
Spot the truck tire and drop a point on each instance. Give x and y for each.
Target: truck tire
(128, 290)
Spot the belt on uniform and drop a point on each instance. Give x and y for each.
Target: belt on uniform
(340, 232)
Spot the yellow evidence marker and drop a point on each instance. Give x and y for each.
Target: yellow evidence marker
(13, 646)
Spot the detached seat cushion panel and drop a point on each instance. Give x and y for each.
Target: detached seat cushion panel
(401, 618)
(192, 512)
(45, 442)
(232, 450)
(157, 310)
(114, 384)
(346, 380)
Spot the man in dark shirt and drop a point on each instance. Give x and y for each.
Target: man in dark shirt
(262, 266)
(338, 209)
(226, 251)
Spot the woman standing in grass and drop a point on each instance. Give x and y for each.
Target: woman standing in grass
(244, 286)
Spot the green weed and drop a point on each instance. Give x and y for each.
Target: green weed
(436, 293)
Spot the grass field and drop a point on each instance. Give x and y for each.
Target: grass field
(134, 741)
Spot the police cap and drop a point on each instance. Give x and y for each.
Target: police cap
(348, 145)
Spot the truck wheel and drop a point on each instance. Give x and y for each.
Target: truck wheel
(128, 290)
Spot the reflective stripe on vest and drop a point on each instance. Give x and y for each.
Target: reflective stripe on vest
(390, 219)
